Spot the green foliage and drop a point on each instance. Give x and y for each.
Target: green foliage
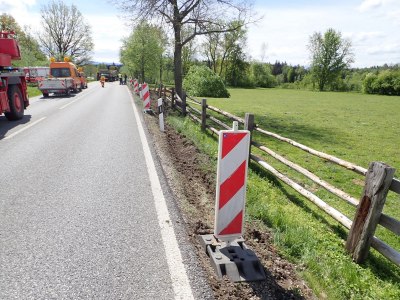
(386, 82)
(142, 52)
(203, 82)
(261, 75)
(331, 54)
(33, 91)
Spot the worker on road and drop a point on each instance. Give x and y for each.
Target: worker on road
(120, 78)
(102, 80)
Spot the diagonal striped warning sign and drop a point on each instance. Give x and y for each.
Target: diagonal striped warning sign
(233, 157)
(146, 96)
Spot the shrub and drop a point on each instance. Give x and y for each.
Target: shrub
(385, 83)
(203, 82)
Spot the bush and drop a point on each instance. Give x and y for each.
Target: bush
(203, 82)
(385, 83)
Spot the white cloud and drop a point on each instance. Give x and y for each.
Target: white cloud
(20, 11)
(392, 48)
(367, 5)
(364, 36)
(108, 31)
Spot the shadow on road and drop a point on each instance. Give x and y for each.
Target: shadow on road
(6, 125)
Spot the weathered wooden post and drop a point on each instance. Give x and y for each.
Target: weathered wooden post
(249, 125)
(183, 103)
(160, 90)
(377, 183)
(173, 98)
(203, 114)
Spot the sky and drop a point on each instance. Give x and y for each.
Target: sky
(373, 27)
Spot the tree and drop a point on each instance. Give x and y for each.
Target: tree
(194, 15)
(237, 72)
(330, 55)
(142, 51)
(31, 55)
(219, 46)
(65, 32)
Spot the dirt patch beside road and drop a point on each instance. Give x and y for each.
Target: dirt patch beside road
(194, 190)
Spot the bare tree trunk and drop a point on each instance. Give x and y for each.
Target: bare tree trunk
(178, 59)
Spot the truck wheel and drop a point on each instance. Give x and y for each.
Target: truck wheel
(45, 95)
(16, 104)
(68, 92)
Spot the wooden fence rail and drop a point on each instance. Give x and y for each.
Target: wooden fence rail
(378, 180)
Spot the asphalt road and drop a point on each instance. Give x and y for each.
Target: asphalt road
(83, 207)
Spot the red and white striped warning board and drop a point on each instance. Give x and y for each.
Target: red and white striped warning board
(146, 96)
(233, 155)
(136, 86)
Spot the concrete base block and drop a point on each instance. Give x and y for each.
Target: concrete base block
(234, 260)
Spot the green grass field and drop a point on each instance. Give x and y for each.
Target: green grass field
(33, 91)
(354, 127)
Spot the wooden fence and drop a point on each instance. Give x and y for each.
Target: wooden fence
(378, 178)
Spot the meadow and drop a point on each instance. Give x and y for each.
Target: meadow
(355, 127)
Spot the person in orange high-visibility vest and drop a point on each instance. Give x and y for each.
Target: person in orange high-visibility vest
(102, 80)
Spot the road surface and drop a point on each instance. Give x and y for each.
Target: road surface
(84, 213)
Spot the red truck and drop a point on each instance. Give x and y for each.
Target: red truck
(13, 90)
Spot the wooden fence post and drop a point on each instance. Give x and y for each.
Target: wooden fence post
(249, 125)
(184, 103)
(172, 97)
(377, 183)
(203, 114)
(160, 90)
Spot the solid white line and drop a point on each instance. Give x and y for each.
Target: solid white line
(180, 281)
(23, 129)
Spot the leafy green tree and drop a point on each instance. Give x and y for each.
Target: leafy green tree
(201, 81)
(65, 32)
(196, 16)
(262, 75)
(219, 46)
(142, 52)
(330, 55)
(238, 69)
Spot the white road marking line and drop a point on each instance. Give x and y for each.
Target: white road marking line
(80, 96)
(180, 281)
(68, 104)
(23, 129)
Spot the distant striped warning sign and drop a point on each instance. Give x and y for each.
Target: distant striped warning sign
(233, 155)
(146, 96)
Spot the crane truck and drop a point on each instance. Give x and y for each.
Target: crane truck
(13, 90)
